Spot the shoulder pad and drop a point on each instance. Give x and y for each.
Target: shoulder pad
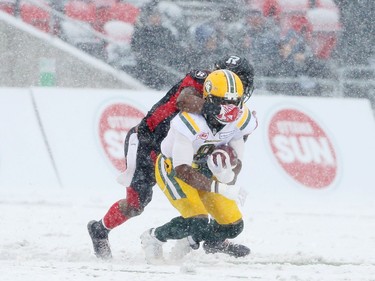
(244, 119)
(189, 122)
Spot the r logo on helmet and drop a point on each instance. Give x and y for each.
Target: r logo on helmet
(233, 60)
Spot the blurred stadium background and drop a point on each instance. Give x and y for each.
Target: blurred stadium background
(298, 47)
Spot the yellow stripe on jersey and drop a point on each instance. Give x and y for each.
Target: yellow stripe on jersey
(245, 119)
(189, 122)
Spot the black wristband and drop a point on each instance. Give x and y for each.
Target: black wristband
(211, 108)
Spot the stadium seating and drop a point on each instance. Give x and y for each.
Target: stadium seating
(325, 28)
(326, 4)
(257, 5)
(99, 14)
(293, 15)
(103, 13)
(289, 6)
(119, 47)
(271, 8)
(318, 20)
(119, 30)
(80, 10)
(7, 6)
(83, 36)
(36, 16)
(124, 12)
(103, 3)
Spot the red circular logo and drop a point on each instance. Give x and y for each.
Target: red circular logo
(115, 122)
(302, 148)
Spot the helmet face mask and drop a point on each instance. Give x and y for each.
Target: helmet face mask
(217, 100)
(242, 68)
(248, 93)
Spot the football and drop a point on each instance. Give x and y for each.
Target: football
(224, 151)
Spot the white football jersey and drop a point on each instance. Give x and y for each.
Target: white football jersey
(195, 140)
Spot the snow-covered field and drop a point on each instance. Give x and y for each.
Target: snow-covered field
(43, 236)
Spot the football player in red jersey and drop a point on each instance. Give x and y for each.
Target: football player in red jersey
(142, 144)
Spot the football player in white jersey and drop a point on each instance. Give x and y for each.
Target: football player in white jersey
(193, 183)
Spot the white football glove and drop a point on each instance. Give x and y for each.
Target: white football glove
(222, 173)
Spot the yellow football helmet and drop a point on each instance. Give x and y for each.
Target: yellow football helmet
(223, 86)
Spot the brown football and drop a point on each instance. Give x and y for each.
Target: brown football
(229, 150)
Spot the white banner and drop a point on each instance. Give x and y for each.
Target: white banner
(25, 161)
(305, 151)
(309, 151)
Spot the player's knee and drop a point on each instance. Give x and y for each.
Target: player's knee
(135, 211)
(199, 228)
(232, 230)
(197, 224)
(130, 210)
(131, 206)
(227, 231)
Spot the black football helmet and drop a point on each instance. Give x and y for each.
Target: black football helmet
(241, 67)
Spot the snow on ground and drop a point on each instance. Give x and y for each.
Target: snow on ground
(43, 236)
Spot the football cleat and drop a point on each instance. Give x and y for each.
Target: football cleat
(226, 247)
(152, 247)
(99, 237)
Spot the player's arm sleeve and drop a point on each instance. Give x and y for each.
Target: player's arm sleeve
(183, 150)
(239, 146)
(246, 124)
(183, 153)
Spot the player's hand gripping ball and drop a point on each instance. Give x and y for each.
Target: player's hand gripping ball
(221, 163)
(223, 153)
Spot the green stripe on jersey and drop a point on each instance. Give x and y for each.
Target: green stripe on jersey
(189, 122)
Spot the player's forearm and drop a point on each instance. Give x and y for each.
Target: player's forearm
(190, 100)
(193, 178)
